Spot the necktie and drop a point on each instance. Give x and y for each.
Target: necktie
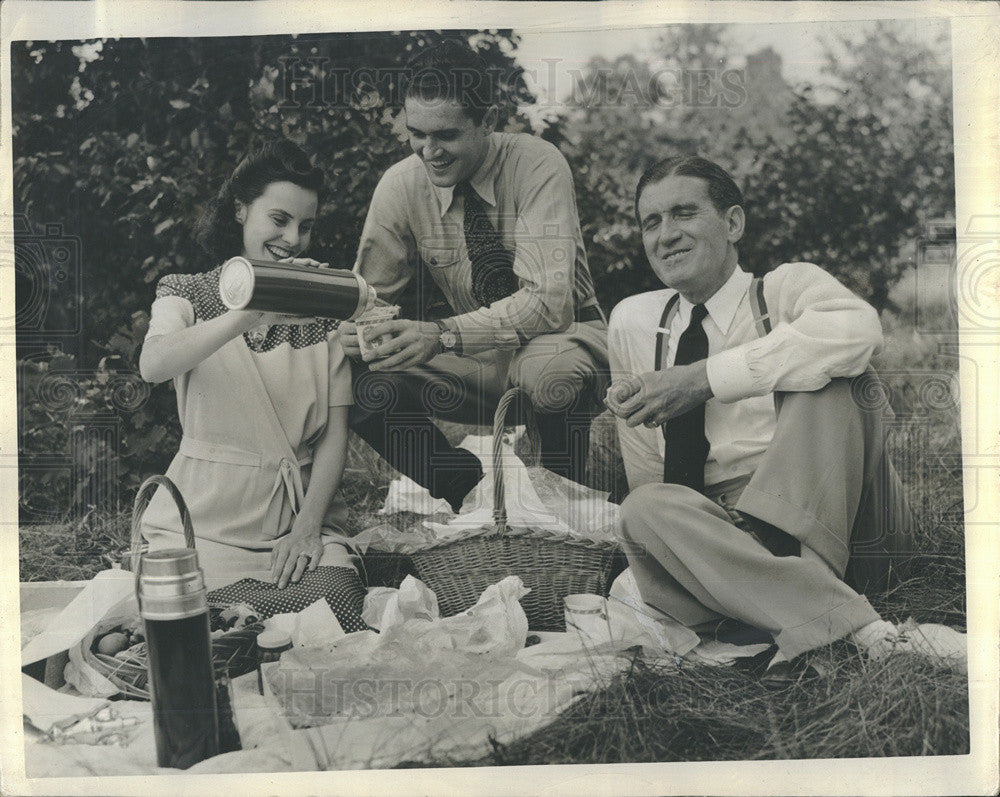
(686, 444)
(492, 263)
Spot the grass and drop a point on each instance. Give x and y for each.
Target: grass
(902, 706)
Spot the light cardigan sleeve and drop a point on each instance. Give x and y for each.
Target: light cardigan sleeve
(820, 330)
(387, 250)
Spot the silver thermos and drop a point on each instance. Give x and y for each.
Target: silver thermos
(247, 284)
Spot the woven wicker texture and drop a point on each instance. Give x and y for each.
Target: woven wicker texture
(551, 564)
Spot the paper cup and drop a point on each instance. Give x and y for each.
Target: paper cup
(364, 324)
(587, 616)
(619, 392)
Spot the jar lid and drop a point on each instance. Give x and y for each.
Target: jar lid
(274, 638)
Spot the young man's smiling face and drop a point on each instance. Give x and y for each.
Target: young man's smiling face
(689, 243)
(446, 139)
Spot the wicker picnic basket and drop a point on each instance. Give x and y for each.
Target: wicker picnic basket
(551, 564)
(235, 651)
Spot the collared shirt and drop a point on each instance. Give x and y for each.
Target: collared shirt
(526, 186)
(820, 330)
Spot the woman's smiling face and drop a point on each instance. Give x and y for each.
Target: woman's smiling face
(279, 222)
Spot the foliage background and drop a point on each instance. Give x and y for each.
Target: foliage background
(121, 142)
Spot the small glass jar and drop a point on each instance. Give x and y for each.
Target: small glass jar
(271, 643)
(229, 736)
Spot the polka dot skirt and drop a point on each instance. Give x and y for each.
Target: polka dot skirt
(340, 586)
(202, 290)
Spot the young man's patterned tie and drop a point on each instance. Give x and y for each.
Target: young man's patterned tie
(492, 263)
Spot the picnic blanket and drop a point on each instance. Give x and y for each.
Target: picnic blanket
(425, 689)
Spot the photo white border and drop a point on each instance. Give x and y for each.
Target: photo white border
(976, 54)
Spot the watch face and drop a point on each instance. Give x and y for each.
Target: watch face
(448, 339)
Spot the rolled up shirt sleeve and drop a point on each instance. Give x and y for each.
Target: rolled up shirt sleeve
(820, 331)
(548, 244)
(387, 251)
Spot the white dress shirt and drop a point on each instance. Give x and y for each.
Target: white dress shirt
(820, 330)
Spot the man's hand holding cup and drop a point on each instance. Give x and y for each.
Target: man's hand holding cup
(358, 338)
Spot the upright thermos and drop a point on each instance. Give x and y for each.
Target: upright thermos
(170, 588)
(247, 284)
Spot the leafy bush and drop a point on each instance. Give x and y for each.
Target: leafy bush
(123, 141)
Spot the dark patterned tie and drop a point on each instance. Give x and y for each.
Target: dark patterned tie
(686, 444)
(492, 263)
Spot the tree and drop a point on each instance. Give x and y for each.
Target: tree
(123, 141)
(843, 176)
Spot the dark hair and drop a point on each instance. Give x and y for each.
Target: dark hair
(451, 70)
(275, 161)
(722, 189)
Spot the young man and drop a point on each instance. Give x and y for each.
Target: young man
(749, 462)
(490, 219)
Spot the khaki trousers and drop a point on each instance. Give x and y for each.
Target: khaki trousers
(821, 473)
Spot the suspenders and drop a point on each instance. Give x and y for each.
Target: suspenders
(761, 318)
(661, 333)
(759, 307)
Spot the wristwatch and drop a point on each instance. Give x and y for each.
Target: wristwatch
(448, 339)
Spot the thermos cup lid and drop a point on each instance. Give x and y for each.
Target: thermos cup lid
(171, 585)
(236, 282)
(170, 562)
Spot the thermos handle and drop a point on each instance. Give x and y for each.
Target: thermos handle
(142, 499)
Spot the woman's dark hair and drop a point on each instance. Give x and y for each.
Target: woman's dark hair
(451, 70)
(275, 161)
(722, 189)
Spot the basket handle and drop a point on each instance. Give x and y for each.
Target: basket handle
(499, 420)
(142, 499)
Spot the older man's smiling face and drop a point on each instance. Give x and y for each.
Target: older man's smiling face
(688, 242)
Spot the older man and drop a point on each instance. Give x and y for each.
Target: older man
(490, 220)
(749, 463)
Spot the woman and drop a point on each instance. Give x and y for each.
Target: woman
(263, 403)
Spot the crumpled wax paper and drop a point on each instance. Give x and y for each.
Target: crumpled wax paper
(414, 665)
(535, 498)
(314, 625)
(496, 624)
